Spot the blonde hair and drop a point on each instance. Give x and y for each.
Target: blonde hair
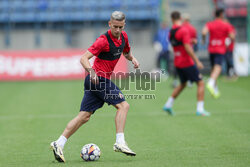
(186, 16)
(117, 15)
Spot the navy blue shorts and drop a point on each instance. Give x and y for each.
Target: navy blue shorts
(216, 59)
(189, 73)
(95, 95)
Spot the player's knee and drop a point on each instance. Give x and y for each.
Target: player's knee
(84, 117)
(201, 83)
(183, 85)
(126, 106)
(123, 106)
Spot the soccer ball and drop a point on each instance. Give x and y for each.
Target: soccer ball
(90, 152)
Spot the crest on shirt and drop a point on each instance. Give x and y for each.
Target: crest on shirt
(121, 95)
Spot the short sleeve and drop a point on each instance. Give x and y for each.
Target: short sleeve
(127, 45)
(97, 47)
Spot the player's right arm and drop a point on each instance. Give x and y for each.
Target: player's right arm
(86, 65)
(185, 38)
(231, 33)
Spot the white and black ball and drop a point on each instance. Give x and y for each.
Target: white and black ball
(90, 152)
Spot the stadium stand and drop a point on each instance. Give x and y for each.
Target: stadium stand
(22, 11)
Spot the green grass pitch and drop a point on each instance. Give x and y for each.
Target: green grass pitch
(32, 114)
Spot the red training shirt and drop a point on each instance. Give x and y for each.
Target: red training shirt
(104, 68)
(218, 32)
(181, 57)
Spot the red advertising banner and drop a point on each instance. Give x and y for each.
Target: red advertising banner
(45, 65)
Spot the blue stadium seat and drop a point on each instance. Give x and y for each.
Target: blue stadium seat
(54, 4)
(103, 4)
(4, 6)
(42, 16)
(67, 5)
(4, 17)
(20, 16)
(103, 15)
(76, 16)
(89, 15)
(40, 5)
(16, 17)
(116, 4)
(155, 3)
(16, 5)
(76, 10)
(143, 14)
(55, 16)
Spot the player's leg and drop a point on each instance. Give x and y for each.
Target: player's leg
(177, 91)
(90, 102)
(192, 74)
(120, 121)
(113, 96)
(58, 145)
(212, 83)
(216, 61)
(216, 72)
(200, 99)
(200, 90)
(121, 116)
(169, 103)
(75, 123)
(227, 62)
(230, 64)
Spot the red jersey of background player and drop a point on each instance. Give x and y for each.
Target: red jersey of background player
(218, 32)
(104, 68)
(191, 30)
(181, 57)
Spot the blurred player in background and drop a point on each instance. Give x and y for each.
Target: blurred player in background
(229, 54)
(191, 29)
(218, 31)
(161, 45)
(184, 58)
(98, 88)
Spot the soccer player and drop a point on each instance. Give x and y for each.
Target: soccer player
(191, 29)
(218, 31)
(99, 88)
(184, 58)
(162, 46)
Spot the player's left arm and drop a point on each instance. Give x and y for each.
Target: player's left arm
(231, 32)
(129, 56)
(127, 52)
(232, 35)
